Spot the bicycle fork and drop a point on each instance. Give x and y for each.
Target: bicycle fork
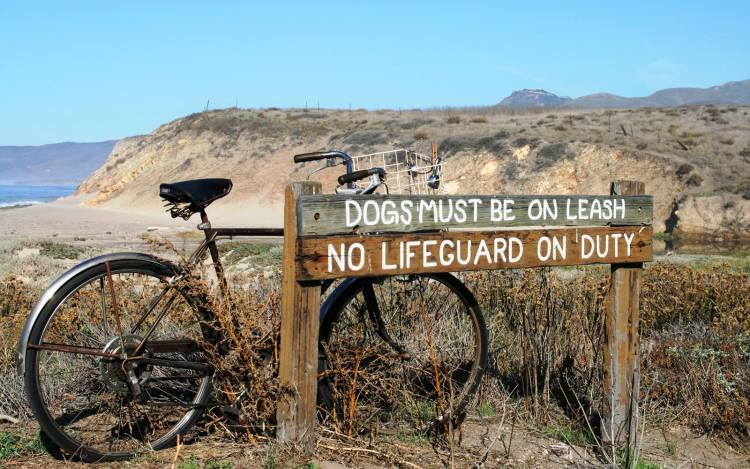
(373, 310)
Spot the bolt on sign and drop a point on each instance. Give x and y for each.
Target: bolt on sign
(388, 235)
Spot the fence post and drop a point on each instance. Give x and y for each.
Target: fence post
(620, 349)
(298, 355)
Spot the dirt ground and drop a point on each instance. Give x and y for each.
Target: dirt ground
(492, 442)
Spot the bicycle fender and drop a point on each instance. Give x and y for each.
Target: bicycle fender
(50, 292)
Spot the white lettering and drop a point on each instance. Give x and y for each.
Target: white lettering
(350, 256)
(619, 207)
(482, 250)
(513, 241)
(628, 240)
(390, 215)
(426, 254)
(543, 248)
(383, 252)
(474, 203)
(535, 209)
(339, 257)
(410, 254)
(587, 251)
(446, 258)
(350, 220)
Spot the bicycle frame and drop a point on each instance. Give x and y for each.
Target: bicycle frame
(211, 235)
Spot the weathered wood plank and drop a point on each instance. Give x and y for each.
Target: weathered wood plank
(323, 257)
(336, 214)
(298, 354)
(620, 347)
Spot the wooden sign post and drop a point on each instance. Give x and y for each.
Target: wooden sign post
(333, 236)
(621, 343)
(298, 354)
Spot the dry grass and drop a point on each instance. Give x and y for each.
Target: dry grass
(545, 331)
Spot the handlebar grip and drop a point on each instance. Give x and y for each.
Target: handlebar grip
(313, 156)
(361, 174)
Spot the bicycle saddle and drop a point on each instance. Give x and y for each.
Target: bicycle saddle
(197, 194)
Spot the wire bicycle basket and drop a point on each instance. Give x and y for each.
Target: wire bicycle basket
(407, 171)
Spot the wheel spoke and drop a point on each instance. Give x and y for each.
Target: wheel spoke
(53, 347)
(115, 331)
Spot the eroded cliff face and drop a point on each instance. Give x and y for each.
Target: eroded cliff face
(255, 150)
(713, 218)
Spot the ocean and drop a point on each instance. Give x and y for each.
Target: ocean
(11, 196)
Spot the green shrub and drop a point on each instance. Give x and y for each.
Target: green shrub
(59, 250)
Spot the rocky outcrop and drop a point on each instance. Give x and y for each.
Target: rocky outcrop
(533, 98)
(713, 218)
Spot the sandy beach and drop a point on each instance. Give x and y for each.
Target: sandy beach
(66, 221)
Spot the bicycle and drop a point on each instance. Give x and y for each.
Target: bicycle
(112, 354)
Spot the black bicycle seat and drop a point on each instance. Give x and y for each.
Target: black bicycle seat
(199, 193)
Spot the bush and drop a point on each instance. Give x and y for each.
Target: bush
(414, 123)
(523, 141)
(551, 154)
(421, 136)
(453, 120)
(694, 180)
(684, 169)
(494, 144)
(59, 250)
(479, 120)
(546, 332)
(547, 335)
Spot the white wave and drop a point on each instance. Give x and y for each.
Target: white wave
(18, 203)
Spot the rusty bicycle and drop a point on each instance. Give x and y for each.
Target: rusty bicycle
(112, 354)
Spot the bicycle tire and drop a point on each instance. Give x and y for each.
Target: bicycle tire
(54, 424)
(467, 314)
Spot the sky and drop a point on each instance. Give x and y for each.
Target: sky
(91, 71)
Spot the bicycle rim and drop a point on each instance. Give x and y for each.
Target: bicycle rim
(420, 362)
(87, 403)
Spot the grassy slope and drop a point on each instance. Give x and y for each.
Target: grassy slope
(697, 156)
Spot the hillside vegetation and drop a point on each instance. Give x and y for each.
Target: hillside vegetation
(694, 160)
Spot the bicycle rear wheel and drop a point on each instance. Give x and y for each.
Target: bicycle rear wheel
(98, 389)
(402, 348)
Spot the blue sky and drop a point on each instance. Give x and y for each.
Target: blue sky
(87, 71)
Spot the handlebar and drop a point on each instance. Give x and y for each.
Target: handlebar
(327, 155)
(361, 174)
(321, 155)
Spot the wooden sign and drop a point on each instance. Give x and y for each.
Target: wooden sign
(323, 257)
(335, 214)
(333, 236)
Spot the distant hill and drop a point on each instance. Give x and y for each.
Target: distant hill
(734, 92)
(534, 98)
(57, 163)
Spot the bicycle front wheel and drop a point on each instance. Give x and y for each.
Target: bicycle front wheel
(114, 364)
(408, 347)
